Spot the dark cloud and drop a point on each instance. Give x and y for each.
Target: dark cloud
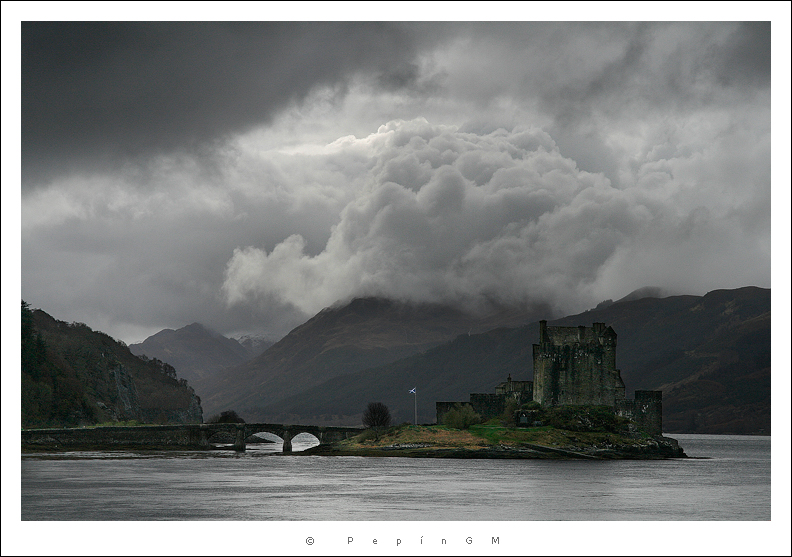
(96, 91)
(745, 58)
(245, 175)
(99, 92)
(402, 77)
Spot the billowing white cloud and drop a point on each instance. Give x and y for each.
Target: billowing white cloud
(468, 219)
(467, 163)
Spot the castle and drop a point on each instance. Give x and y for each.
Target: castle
(572, 366)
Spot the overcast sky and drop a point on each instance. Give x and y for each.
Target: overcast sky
(247, 175)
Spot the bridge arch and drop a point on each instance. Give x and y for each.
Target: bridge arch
(262, 437)
(305, 438)
(286, 433)
(241, 432)
(220, 437)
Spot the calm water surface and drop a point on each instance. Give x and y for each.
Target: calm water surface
(262, 485)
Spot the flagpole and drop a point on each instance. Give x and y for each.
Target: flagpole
(414, 392)
(415, 397)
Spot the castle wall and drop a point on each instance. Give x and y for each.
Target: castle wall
(576, 365)
(488, 405)
(525, 388)
(646, 410)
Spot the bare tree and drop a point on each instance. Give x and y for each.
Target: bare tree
(377, 417)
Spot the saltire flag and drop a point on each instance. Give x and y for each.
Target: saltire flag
(412, 390)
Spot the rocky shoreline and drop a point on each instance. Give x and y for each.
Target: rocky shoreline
(654, 448)
(490, 440)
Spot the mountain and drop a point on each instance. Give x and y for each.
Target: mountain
(662, 340)
(197, 353)
(254, 344)
(473, 363)
(730, 391)
(710, 355)
(645, 292)
(73, 375)
(340, 340)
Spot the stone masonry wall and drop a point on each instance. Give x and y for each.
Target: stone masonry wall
(187, 436)
(488, 405)
(576, 365)
(525, 388)
(646, 411)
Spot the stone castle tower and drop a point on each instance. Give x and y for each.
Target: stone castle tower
(576, 365)
(572, 366)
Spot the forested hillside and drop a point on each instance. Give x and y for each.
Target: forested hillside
(72, 375)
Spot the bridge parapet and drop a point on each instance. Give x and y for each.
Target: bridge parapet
(181, 436)
(176, 436)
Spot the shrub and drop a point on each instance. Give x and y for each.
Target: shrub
(367, 435)
(508, 412)
(584, 418)
(461, 417)
(226, 417)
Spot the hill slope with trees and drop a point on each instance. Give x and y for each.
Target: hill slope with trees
(72, 376)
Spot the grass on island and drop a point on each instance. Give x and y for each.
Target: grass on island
(489, 434)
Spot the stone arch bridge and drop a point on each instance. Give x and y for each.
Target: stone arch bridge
(325, 434)
(183, 436)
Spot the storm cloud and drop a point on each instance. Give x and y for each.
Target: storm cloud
(504, 218)
(96, 92)
(246, 175)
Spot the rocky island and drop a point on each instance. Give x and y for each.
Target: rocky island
(572, 433)
(575, 407)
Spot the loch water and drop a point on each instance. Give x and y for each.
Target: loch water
(261, 484)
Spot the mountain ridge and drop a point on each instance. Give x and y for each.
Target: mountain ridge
(344, 339)
(687, 346)
(196, 351)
